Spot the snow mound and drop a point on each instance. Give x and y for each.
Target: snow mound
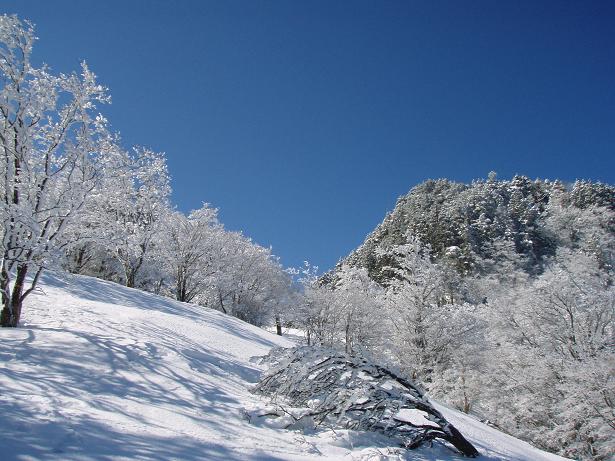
(98, 371)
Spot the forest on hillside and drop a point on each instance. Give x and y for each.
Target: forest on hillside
(74, 198)
(497, 296)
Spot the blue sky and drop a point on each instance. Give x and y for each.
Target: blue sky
(304, 121)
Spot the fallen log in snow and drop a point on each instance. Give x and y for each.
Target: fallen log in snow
(340, 390)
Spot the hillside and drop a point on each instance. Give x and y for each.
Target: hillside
(498, 296)
(100, 371)
(473, 226)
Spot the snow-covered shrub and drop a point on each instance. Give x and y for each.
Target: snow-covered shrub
(348, 391)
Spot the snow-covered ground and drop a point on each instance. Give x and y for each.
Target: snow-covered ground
(102, 372)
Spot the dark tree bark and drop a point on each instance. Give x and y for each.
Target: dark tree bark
(13, 300)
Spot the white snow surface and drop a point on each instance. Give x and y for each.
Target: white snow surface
(415, 417)
(98, 371)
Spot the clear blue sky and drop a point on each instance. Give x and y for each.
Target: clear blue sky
(304, 121)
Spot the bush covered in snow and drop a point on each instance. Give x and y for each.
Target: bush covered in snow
(341, 390)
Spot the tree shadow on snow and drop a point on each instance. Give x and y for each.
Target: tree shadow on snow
(77, 374)
(27, 436)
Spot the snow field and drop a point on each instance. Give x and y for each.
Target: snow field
(102, 372)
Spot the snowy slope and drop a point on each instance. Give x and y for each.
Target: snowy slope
(99, 371)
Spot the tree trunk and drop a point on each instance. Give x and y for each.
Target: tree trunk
(466, 401)
(181, 285)
(461, 443)
(348, 339)
(131, 275)
(221, 302)
(11, 310)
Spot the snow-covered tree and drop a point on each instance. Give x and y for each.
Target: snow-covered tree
(315, 310)
(357, 300)
(324, 386)
(189, 250)
(128, 215)
(241, 278)
(53, 143)
(346, 313)
(555, 347)
(428, 331)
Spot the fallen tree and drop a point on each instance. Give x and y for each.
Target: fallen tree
(340, 390)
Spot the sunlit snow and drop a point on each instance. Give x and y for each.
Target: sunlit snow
(99, 371)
